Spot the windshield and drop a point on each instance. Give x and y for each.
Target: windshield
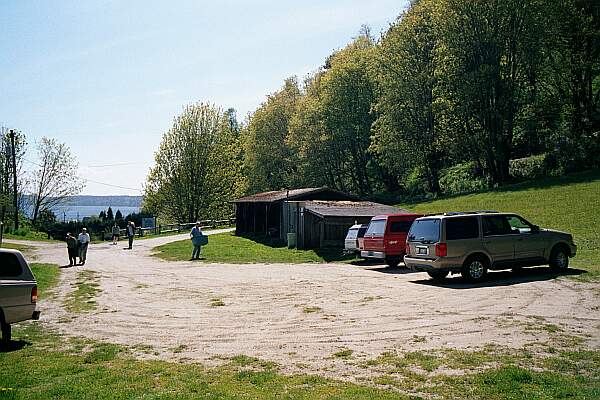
(352, 234)
(425, 230)
(376, 227)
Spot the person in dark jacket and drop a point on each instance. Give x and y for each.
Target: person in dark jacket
(73, 248)
(130, 233)
(196, 236)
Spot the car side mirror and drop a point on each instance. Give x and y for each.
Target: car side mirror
(535, 229)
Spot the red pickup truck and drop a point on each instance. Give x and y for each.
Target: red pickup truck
(385, 238)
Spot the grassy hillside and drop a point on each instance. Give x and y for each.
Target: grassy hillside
(570, 204)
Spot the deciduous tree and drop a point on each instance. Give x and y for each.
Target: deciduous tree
(56, 177)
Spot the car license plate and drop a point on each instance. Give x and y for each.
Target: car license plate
(422, 250)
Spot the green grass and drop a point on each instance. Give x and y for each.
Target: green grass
(33, 236)
(228, 248)
(21, 247)
(83, 297)
(51, 366)
(570, 203)
(46, 276)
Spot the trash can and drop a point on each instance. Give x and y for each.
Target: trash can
(291, 240)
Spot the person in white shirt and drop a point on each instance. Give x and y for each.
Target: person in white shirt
(84, 240)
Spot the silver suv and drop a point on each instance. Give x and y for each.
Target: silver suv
(474, 242)
(18, 291)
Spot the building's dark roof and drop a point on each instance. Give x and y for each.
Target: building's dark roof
(350, 209)
(292, 194)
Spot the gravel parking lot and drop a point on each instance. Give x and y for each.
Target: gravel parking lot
(300, 315)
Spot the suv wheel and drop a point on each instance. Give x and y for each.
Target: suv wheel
(438, 275)
(474, 269)
(559, 260)
(6, 332)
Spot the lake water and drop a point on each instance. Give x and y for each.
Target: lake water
(70, 213)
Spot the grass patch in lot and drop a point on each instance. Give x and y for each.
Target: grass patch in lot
(21, 247)
(569, 203)
(86, 287)
(216, 302)
(311, 309)
(344, 354)
(228, 248)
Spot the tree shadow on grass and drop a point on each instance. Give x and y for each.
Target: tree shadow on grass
(13, 345)
(501, 278)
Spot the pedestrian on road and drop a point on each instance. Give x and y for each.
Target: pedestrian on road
(197, 240)
(130, 233)
(84, 241)
(116, 232)
(72, 247)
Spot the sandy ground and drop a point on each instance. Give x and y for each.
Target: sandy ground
(299, 315)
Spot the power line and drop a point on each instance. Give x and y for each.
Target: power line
(115, 164)
(111, 185)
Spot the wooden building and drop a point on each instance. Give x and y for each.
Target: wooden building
(319, 224)
(262, 214)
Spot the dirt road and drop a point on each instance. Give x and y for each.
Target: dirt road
(299, 315)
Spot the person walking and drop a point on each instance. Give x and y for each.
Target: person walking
(197, 238)
(84, 241)
(116, 232)
(72, 248)
(130, 233)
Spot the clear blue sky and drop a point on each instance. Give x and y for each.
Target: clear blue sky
(107, 77)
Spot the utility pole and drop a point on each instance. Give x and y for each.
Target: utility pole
(14, 167)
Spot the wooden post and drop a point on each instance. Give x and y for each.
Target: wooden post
(14, 167)
(266, 219)
(321, 233)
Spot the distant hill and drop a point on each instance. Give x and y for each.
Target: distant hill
(126, 201)
(101, 201)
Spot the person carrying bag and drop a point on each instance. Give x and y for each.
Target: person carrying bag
(199, 239)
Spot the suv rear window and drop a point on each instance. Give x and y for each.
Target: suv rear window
(10, 267)
(462, 228)
(376, 227)
(425, 230)
(352, 234)
(400, 226)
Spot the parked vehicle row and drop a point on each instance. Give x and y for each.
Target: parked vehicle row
(469, 243)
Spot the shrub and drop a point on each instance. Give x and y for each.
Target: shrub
(530, 167)
(462, 178)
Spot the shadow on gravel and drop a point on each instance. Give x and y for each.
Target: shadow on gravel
(500, 278)
(14, 345)
(391, 270)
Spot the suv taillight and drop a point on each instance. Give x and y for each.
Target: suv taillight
(441, 249)
(34, 294)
